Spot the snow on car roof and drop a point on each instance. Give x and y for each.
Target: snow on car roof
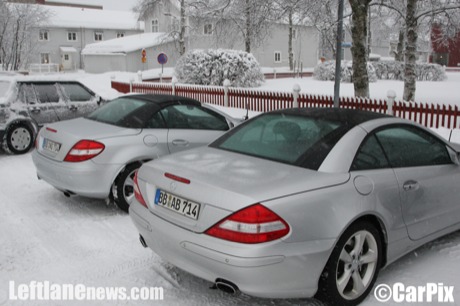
(127, 44)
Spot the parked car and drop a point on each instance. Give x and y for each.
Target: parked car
(97, 156)
(26, 106)
(300, 202)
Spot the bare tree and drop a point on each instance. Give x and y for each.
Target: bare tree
(186, 8)
(359, 48)
(250, 18)
(17, 24)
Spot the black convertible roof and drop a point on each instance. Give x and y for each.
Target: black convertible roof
(163, 99)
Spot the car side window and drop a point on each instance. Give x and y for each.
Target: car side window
(193, 117)
(370, 156)
(156, 122)
(47, 92)
(75, 92)
(408, 146)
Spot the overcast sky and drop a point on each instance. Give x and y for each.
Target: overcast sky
(124, 5)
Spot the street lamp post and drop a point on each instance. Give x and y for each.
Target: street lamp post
(338, 55)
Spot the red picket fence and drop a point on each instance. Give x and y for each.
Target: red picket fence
(428, 115)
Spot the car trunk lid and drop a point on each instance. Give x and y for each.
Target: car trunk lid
(223, 182)
(57, 139)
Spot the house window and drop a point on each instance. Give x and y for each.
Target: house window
(120, 34)
(44, 58)
(98, 36)
(43, 35)
(207, 29)
(72, 36)
(66, 57)
(155, 26)
(277, 57)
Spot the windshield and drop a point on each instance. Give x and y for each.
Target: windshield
(290, 139)
(126, 112)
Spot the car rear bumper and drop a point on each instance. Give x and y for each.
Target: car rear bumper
(85, 178)
(275, 270)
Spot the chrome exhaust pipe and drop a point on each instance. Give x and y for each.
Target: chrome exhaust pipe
(142, 240)
(226, 286)
(67, 194)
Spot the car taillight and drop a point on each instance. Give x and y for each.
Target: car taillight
(137, 191)
(254, 224)
(84, 150)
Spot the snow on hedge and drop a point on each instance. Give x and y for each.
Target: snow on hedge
(326, 72)
(394, 70)
(380, 70)
(212, 67)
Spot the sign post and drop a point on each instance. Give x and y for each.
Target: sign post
(144, 58)
(162, 59)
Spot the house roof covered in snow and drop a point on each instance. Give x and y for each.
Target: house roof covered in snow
(127, 44)
(72, 17)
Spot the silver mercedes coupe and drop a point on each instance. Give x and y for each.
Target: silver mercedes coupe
(97, 156)
(300, 202)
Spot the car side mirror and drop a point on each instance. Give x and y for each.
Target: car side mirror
(98, 99)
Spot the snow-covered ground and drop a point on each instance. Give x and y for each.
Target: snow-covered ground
(45, 236)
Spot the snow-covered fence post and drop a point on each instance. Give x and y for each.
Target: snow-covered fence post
(296, 93)
(274, 73)
(391, 96)
(173, 85)
(131, 81)
(139, 76)
(226, 86)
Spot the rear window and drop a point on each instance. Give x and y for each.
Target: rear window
(290, 139)
(127, 112)
(76, 93)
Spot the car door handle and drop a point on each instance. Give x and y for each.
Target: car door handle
(35, 110)
(180, 142)
(410, 185)
(73, 108)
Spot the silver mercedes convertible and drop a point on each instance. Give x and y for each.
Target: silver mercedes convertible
(300, 202)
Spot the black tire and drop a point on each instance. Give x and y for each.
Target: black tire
(19, 138)
(349, 270)
(123, 188)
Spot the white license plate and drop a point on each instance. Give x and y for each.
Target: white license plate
(177, 204)
(51, 146)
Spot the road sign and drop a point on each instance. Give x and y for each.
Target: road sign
(162, 58)
(346, 44)
(144, 55)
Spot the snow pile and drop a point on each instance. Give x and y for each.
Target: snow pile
(212, 67)
(326, 72)
(394, 70)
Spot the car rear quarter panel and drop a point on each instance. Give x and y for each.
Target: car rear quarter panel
(324, 214)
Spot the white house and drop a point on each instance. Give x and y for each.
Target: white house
(126, 54)
(70, 29)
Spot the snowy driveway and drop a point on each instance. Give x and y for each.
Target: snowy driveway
(45, 236)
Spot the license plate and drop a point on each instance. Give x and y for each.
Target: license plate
(51, 146)
(177, 204)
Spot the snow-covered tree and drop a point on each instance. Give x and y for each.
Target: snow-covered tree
(212, 67)
(18, 22)
(418, 13)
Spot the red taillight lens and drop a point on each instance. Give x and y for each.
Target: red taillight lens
(137, 191)
(84, 150)
(254, 224)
